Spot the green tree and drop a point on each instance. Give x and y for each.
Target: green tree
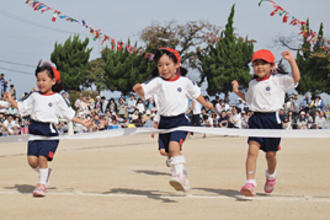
(123, 69)
(314, 65)
(71, 60)
(95, 74)
(227, 60)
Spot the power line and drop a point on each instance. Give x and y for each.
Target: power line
(20, 64)
(14, 17)
(17, 71)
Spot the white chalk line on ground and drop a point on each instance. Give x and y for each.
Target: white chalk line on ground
(310, 133)
(156, 196)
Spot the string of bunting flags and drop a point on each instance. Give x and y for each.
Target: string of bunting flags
(305, 31)
(96, 33)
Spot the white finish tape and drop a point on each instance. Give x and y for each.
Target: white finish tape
(311, 133)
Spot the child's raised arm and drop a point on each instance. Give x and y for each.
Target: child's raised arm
(235, 86)
(138, 89)
(207, 105)
(294, 67)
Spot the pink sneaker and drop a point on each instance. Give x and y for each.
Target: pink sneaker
(40, 190)
(269, 185)
(180, 182)
(248, 189)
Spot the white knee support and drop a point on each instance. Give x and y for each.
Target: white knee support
(178, 160)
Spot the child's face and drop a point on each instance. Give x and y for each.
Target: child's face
(262, 69)
(45, 82)
(167, 68)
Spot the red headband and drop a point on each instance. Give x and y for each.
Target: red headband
(174, 52)
(56, 74)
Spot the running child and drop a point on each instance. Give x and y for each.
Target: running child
(172, 91)
(44, 108)
(265, 97)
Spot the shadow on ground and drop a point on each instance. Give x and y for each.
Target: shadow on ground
(152, 172)
(156, 195)
(24, 188)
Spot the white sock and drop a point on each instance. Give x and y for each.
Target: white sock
(178, 164)
(270, 176)
(43, 175)
(253, 181)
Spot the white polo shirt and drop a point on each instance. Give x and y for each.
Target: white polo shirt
(45, 108)
(172, 95)
(268, 95)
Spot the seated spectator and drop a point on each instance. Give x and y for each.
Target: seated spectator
(9, 126)
(236, 118)
(320, 120)
(122, 108)
(112, 106)
(244, 120)
(286, 123)
(310, 121)
(317, 104)
(302, 121)
(230, 119)
(223, 120)
(140, 106)
(98, 105)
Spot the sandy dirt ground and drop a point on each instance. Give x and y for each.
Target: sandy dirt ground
(126, 178)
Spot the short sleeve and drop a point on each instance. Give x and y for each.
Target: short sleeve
(193, 90)
(25, 105)
(150, 87)
(65, 110)
(286, 81)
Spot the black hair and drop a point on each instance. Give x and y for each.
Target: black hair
(158, 54)
(42, 66)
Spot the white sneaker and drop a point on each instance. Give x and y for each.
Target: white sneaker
(180, 182)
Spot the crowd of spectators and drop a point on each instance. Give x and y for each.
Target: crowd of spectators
(128, 112)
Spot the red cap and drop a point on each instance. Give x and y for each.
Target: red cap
(174, 52)
(265, 55)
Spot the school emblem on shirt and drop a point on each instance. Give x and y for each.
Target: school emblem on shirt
(267, 88)
(179, 89)
(50, 104)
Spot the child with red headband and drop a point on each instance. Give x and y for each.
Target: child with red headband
(44, 108)
(265, 97)
(172, 91)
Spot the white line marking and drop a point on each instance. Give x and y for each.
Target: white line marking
(308, 198)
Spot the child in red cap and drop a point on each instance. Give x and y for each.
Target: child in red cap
(265, 97)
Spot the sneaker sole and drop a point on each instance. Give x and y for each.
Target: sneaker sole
(247, 192)
(176, 185)
(269, 191)
(37, 194)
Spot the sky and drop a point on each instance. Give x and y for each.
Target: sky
(28, 36)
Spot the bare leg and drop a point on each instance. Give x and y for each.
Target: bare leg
(271, 161)
(251, 160)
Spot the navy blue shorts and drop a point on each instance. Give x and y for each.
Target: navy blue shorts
(45, 148)
(266, 120)
(177, 136)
